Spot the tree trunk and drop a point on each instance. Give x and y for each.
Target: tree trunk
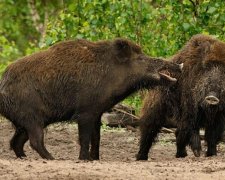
(39, 25)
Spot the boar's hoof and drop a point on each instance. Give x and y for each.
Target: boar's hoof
(212, 100)
(196, 153)
(141, 157)
(182, 154)
(21, 156)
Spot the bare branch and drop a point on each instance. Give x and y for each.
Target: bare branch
(195, 4)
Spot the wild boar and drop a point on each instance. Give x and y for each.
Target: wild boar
(195, 101)
(74, 80)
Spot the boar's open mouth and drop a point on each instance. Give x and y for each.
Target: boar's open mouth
(165, 74)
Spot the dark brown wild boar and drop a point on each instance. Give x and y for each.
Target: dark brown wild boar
(74, 80)
(195, 101)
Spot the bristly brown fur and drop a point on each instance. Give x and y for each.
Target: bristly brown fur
(201, 49)
(203, 75)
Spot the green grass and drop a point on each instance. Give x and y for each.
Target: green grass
(105, 128)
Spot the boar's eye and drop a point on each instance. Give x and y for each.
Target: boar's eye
(141, 57)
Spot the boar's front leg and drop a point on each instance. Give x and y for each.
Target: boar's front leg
(86, 123)
(95, 141)
(214, 134)
(188, 131)
(210, 137)
(18, 140)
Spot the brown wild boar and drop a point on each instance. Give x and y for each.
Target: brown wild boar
(74, 80)
(196, 101)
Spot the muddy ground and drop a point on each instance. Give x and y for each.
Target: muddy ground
(118, 149)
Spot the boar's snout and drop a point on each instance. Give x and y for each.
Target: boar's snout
(212, 100)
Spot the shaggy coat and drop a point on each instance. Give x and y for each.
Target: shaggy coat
(196, 101)
(74, 80)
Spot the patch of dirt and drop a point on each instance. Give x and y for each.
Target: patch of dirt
(118, 149)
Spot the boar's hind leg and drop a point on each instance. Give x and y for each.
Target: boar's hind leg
(95, 140)
(195, 142)
(183, 135)
(17, 142)
(188, 130)
(151, 123)
(36, 137)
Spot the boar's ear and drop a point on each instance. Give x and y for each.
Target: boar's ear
(205, 51)
(204, 48)
(122, 50)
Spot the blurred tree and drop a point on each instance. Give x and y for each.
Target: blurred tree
(161, 27)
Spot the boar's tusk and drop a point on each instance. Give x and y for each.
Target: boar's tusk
(181, 66)
(165, 76)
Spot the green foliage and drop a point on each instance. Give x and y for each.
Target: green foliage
(161, 27)
(8, 52)
(15, 24)
(135, 101)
